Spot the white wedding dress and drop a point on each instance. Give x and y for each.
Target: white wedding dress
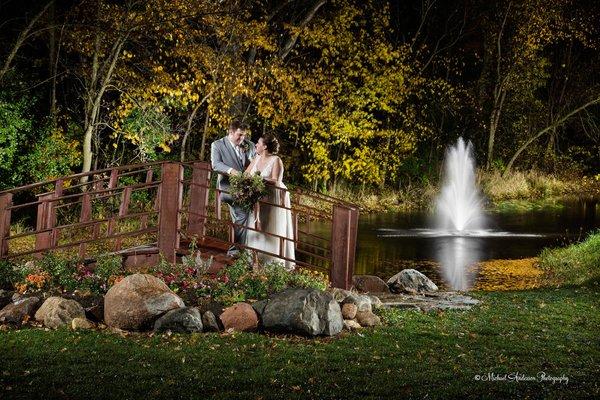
(275, 220)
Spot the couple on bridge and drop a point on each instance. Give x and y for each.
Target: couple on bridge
(235, 154)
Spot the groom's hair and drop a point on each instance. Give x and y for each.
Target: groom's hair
(238, 124)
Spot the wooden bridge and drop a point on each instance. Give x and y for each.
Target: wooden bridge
(146, 210)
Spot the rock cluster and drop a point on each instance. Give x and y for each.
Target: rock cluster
(357, 309)
(143, 302)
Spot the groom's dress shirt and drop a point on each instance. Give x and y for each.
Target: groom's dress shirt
(238, 152)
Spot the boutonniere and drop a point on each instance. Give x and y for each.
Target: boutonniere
(245, 146)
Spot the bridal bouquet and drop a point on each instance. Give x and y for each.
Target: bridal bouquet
(246, 190)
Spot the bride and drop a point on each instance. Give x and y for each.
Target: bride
(272, 220)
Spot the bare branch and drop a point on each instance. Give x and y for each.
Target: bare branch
(21, 39)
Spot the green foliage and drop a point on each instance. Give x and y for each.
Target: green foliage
(247, 189)
(55, 272)
(62, 270)
(189, 275)
(391, 316)
(15, 126)
(576, 264)
(53, 156)
(241, 282)
(9, 275)
(148, 128)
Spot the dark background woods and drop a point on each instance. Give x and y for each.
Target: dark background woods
(365, 92)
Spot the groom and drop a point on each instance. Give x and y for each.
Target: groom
(231, 155)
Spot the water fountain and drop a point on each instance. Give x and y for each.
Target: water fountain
(458, 213)
(458, 207)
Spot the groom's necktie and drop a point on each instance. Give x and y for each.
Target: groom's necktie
(238, 151)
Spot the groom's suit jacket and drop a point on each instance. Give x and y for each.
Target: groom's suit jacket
(223, 156)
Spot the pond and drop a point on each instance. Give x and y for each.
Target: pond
(388, 242)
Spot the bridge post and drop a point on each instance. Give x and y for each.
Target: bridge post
(5, 202)
(171, 198)
(199, 190)
(343, 246)
(43, 239)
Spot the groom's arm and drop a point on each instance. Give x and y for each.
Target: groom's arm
(216, 160)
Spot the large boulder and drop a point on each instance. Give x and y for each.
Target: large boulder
(305, 311)
(411, 281)
(370, 284)
(183, 320)
(56, 312)
(137, 301)
(19, 310)
(239, 317)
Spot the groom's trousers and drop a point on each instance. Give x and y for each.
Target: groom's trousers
(239, 217)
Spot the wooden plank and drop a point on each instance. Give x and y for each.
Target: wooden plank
(199, 199)
(58, 191)
(5, 214)
(43, 240)
(169, 222)
(123, 210)
(86, 215)
(144, 219)
(112, 184)
(340, 247)
(352, 246)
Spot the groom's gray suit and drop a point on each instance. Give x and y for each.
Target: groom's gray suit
(223, 157)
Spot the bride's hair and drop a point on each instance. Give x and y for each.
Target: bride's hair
(271, 142)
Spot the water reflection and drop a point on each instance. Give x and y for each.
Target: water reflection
(458, 257)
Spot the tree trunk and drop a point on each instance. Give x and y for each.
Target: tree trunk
(549, 128)
(204, 134)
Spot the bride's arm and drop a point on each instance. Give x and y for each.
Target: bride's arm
(276, 170)
(251, 165)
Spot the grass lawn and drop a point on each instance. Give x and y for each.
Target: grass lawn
(552, 331)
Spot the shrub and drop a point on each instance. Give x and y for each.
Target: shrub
(239, 282)
(55, 272)
(189, 275)
(575, 264)
(9, 275)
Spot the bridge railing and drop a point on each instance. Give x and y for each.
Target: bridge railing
(162, 205)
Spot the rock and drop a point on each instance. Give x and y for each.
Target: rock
(240, 317)
(184, 320)
(137, 301)
(259, 306)
(81, 323)
(210, 322)
(375, 302)
(19, 310)
(93, 304)
(411, 281)
(367, 318)
(370, 284)
(351, 325)
(340, 294)
(362, 301)
(305, 311)
(5, 298)
(57, 311)
(429, 301)
(214, 307)
(349, 311)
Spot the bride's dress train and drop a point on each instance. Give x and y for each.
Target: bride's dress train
(274, 220)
